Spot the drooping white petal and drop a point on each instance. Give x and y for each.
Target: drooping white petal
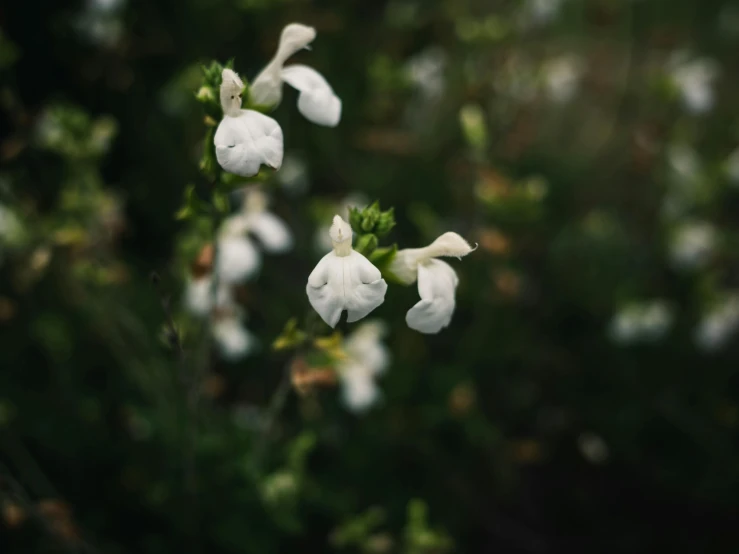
(236, 259)
(348, 283)
(233, 339)
(272, 232)
(437, 283)
(359, 390)
(317, 101)
(405, 264)
(246, 142)
(266, 90)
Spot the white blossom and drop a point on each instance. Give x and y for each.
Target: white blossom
(237, 257)
(245, 139)
(199, 298)
(316, 101)
(641, 322)
(718, 325)
(344, 280)
(293, 176)
(437, 281)
(366, 358)
(541, 12)
(593, 448)
(694, 80)
(426, 71)
(692, 245)
(732, 167)
(562, 77)
(233, 339)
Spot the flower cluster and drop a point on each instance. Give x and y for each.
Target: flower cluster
(344, 279)
(246, 139)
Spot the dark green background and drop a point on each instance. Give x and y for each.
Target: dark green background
(82, 365)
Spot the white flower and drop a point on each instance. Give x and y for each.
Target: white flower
(344, 280)
(636, 322)
(718, 325)
(732, 167)
(437, 281)
(426, 71)
(541, 11)
(593, 448)
(317, 101)
(692, 245)
(10, 225)
(293, 175)
(366, 358)
(233, 339)
(562, 77)
(694, 79)
(199, 296)
(245, 139)
(237, 258)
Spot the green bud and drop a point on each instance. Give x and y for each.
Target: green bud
(355, 218)
(205, 94)
(385, 222)
(366, 244)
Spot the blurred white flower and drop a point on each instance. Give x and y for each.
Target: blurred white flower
(199, 298)
(437, 281)
(540, 12)
(367, 357)
(316, 101)
(718, 325)
(692, 245)
(683, 161)
(10, 225)
(562, 77)
(237, 257)
(100, 21)
(344, 280)
(426, 71)
(732, 167)
(293, 176)
(245, 139)
(593, 448)
(641, 322)
(233, 339)
(694, 79)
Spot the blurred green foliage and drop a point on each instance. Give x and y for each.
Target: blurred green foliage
(584, 397)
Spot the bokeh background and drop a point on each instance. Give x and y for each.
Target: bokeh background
(585, 396)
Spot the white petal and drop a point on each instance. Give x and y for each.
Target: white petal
(236, 259)
(359, 392)
(317, 101)
(365, 347)
(340, 230)
(348, 283)
(272, 232)
(266, 90)
(199, 296)
(405, 263)
(246, 142)
(294, 37)
(233, 339)
(437, 283)
(230, 93)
